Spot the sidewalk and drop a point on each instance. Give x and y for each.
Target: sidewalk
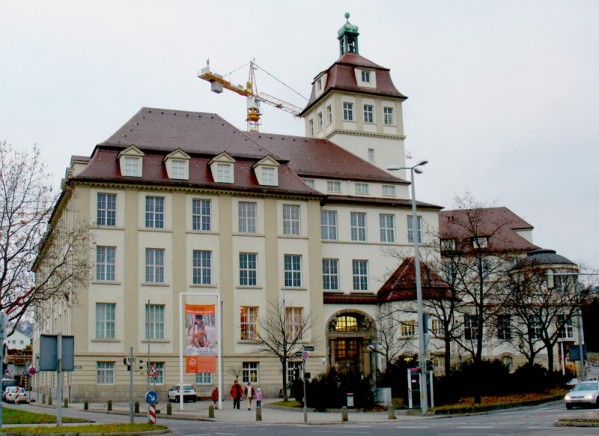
(199, 411)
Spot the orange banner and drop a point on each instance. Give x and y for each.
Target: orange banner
(200, 338)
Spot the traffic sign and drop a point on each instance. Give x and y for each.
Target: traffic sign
(151, 397)
(305, 355)
(153, 371)
(308, 348)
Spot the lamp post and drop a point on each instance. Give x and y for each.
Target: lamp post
(415, 238)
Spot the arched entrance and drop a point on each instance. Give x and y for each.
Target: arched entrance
(348, 335)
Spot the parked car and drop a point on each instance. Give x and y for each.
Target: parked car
(584, 393)
(189, 393)
(16, 394)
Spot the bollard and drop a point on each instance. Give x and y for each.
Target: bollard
(85, 405)
(109, 405)
(258, 413)
(391, 412)
(211, 411)
(344, 414)
(65, 403)
(43, 398)
(49, 400)
(137, 407)
(169, 409)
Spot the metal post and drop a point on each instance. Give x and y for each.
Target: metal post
(59, 381)
(131, 403)
(305, 399)
(580, 345)
(3, 324)
(148, 339)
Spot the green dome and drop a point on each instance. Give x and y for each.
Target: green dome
(347, 27)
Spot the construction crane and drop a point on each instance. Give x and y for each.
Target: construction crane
(250, 91)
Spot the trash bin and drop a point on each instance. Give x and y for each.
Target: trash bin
(350, 400)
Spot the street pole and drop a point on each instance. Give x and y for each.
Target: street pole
(59, 381)
(131, 407)
(415, 238)
(305, 399)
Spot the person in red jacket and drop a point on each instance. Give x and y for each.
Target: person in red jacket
(214, 396)
(236, 394)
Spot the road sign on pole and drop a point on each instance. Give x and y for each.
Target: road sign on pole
(153, 371)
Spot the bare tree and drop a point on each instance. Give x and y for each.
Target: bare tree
(388, 329)
(283, 332)
(32, 229)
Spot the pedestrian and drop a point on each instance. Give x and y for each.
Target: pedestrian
(236, 394)
(214, 396)
(259, 397)
(248, 393)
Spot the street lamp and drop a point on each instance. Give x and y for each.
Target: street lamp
(415, 238)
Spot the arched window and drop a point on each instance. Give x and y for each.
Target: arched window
(347, 324)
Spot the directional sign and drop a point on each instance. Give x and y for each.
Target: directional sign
(153, 371)
(308, 348)
(151, 397)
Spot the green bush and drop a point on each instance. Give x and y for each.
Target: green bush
(329, 391)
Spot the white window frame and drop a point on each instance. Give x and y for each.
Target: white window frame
(248, 269)
(202, 267)
(268, 176)
(248, 323)
(365, 76)
(154, 218)
(387, 225)
(329, 114)
(291, 219)
(106, 209)
(388, 116)
(371, 155)
(201, 212)
(204, 378)
(292, 270)
(319, 119)
(179, 169)
(333, 187)
(358, 226)
(250, 372)
(247, 214)
(224, 172)
(389, 191)
(132, 166)
(105, 320)
(408, 329)
(360, 274)
(330, 274)
(294, 322)
(154, 322)
(362, 188)
(154, 265)
(105, 263)
(104, 373)
(368, 113)
(328, 225)
(348, 111)
(411, 230)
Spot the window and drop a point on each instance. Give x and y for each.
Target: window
(328, 225)
(536, 328)
(224, 173)
(250, 372)
(105, 263)
(408, 328)
(346, 324)
(311, 127)
(319, 118)
(202, 267)
(565, 326)
(437, 328)
(388, 191)
(504, 327)
(388, 116)
(334, 187)
(450, 271)
(330, 274)
(358, 226)
(154, 321)
(155, 212)
(106, 213)
(105, 373)
(348, 111)
(247, 269)
(132, 166)
(362, 189)
(178, 169)
(291, 219)
(293, 271)
(411, 229)
(249, 323)
(154, 265)
(480, 242)
(329, 114)
(105, 320)
(387, 222)
(294, 322)
(160, 368)
(200, 214)
(360, 274)
(309, 182)
(470, 327)
(447, 244)
(247, 217)
(204, 378)
(268, 176)
(368, 113)
(366, 76)
(371, 155)
(293, 370)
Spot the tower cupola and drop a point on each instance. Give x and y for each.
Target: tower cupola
(348, 37)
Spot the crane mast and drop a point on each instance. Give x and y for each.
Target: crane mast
(218, 83)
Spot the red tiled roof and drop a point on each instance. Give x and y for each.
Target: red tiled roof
(499, 224)
(341, 76)
(401, 285)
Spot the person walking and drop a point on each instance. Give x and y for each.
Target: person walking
(214, 396)
(236, 394)
(259, 397)
(248, 393)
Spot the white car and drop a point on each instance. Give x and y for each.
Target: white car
(584, 393)
(16, 394)
(189, 393)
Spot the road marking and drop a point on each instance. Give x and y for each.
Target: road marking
(476, 427)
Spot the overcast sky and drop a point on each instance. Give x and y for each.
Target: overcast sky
(503, 95)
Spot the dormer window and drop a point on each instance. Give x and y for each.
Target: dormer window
(366, 76)
(222, 168)
(131, 162)
(267, 172)
(480, 242)
(177, 165)
(224, 173)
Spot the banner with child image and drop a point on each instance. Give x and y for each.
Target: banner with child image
(200, 338)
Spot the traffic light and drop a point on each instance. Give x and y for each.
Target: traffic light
(127, 363)
(141, 365)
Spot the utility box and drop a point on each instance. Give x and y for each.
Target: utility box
(350, 400)
(382, 395)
